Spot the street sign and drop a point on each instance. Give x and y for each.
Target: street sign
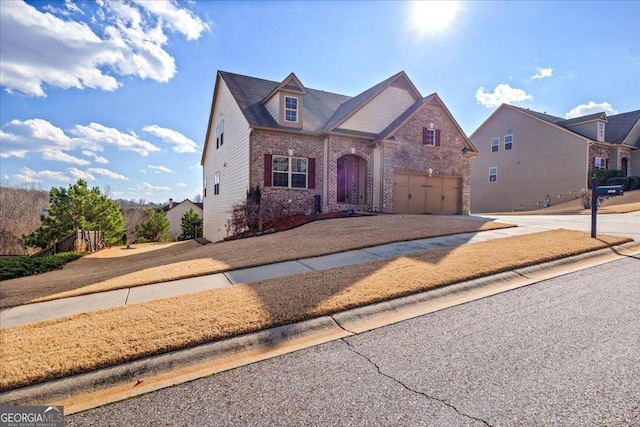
(609, 190)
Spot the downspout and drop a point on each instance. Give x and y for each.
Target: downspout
(325, 175)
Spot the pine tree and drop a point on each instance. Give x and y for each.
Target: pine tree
(189, 223)
(78, 207)
(155, 228)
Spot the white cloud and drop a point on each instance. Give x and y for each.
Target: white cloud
(148, 188)
(57, 47)
(181, 184)
(78, 174)
(181, 144)
(30, 176)
(59, 156)
(180, 20)
(107, 172)
(160, 168)
(502, 94)
(95, 157)
(543, 73)
(96, 135)
(590, 108)
(33, 135)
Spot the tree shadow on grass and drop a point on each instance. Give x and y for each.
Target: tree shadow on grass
(188, 259)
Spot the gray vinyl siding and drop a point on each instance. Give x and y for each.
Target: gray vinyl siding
(231, 160)
(381, 111)
(544, 161)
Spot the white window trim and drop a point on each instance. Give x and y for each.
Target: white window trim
(495, 169)
(505, 142)
(431, 136)
(291, 109)
(289, 172)
(497, 144)
(216, 183)
(600, 163)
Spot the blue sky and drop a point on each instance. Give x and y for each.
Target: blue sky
(118, 93)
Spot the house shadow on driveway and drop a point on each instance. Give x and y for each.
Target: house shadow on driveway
(116, 268)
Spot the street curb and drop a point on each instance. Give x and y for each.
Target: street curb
(85, 391)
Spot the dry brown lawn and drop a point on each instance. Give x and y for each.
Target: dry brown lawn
(117, 267)
(57, 348)
(629, 202)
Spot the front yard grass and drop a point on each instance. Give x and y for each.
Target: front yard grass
(118, 268)
(43, 351)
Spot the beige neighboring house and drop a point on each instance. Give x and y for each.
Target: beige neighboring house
(388, 149)
(175, 212)
(529, 159)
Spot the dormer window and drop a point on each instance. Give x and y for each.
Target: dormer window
(291, 109)
(600, 131)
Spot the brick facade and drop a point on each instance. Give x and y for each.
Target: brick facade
(297, 200)
(409, 154)
(406, 154)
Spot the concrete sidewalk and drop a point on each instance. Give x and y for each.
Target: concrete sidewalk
(54, 309)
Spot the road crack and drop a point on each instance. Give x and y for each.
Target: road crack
(353, 349)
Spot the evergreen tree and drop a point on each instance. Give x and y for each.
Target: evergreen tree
(78, 207)
(189, 222)
(155, 227)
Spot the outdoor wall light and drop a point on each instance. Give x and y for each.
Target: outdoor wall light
(430, 125)
(430, 171)
(353, 150)
(290, 152)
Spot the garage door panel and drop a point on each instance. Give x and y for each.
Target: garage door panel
(416, 194)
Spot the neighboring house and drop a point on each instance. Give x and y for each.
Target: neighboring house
(175, 212)
(388, 149)
(529, 159)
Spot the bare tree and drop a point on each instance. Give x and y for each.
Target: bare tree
(197, 198)
(20, 208)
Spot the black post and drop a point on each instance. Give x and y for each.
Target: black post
(594, 205)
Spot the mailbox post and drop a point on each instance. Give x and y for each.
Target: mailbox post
(608, 190)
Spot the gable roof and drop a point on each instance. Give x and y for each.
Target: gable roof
(619, 126)
(166, 208)
(290, 83)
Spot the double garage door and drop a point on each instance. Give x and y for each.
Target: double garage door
(423, 194)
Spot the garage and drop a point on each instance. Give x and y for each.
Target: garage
(424, 194)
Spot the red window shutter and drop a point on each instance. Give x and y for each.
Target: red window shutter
(268, 167)
(311, 178)
(437, 137)
(424, 135)
(606, 164)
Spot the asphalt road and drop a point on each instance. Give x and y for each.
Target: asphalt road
(561, 352)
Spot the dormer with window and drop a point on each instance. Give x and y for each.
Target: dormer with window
(592, 126)
(285, 102)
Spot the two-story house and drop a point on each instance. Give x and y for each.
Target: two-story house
(388, 149)
(529, 159)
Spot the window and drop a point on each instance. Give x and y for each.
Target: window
(495, 145)
(289, 172)
(600, 162)
(290, 109)
(216, 183)
(493, 174)
(508, 142)
(431, 137)
(600, 131)
(220, 134)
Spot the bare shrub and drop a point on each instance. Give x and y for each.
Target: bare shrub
(585, 198)
(20, 208)
(256, 212)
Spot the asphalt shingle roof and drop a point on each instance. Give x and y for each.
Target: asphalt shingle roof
(318, 107)
(619, 127)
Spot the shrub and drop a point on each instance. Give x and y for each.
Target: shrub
(634, 182)
(22, 266)
(256, 212)
(585, 198)
(603, 175)
(625, 182)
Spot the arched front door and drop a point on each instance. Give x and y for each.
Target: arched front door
(351, 180)
(625, 166)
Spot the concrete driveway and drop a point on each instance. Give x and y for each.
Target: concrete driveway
(614, 224)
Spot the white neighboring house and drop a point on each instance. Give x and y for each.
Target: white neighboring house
(175, 212)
